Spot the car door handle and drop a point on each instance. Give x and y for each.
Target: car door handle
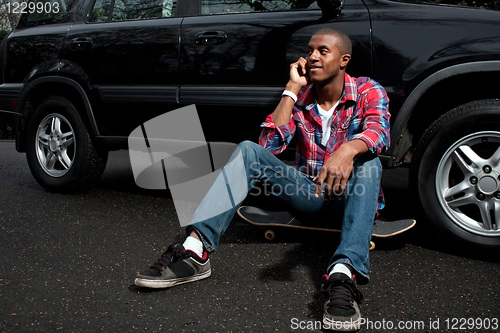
(81, 43)
(208, 37)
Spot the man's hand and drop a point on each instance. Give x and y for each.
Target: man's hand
(337, 170)
(298, 75)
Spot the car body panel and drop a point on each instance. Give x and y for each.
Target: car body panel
(262, 54)
(428, 45)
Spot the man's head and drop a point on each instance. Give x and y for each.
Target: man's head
(329, 51)
(344, 42)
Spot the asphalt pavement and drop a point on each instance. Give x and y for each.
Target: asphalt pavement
(68, 262)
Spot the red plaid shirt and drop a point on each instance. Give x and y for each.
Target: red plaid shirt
(362, 113)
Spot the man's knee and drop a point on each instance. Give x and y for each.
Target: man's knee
(247, 144)
(249, 150)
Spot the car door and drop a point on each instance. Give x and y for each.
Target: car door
(238, 52)
(236, 55)
(129, 50)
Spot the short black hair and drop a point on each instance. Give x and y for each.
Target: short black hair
(344, 44)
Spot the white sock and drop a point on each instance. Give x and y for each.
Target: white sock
(194, 245)
(341, 268)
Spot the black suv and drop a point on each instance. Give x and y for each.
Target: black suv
(79, 75)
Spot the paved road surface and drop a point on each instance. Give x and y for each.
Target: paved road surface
(67, 263)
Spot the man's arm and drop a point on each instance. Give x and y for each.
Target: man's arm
(278, 129)
(376, 119)
(298, 79)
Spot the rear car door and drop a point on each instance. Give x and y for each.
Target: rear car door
(236, 53)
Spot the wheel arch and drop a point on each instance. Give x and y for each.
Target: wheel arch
(434, 96)
(41, 88)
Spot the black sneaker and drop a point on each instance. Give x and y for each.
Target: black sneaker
(176, 266)
(341, 311)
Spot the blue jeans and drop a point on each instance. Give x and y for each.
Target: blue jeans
(355, 213)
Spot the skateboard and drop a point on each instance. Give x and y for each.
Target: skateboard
(283, 219)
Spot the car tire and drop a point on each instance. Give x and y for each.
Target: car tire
(60, 152)
(456, 173)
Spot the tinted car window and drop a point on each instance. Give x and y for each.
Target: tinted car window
(40, 12)
(211, 7)
(129, 10)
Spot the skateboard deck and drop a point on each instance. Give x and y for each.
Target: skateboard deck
(283, 219)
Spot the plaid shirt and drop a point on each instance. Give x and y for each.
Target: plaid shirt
(361, 114)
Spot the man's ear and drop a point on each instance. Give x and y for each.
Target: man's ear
(345, 60)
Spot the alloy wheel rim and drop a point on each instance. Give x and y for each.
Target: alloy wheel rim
(55, 145)
(468, 183)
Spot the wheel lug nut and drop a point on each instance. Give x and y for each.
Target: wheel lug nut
(473, 180)
(487, 169)
(480, 196)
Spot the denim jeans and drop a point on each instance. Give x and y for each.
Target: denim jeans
(355, 213)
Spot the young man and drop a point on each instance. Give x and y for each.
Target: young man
(342, 124)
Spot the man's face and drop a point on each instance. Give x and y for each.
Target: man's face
(324, 59)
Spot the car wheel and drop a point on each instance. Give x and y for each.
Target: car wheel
(456, 173)
(60, 152)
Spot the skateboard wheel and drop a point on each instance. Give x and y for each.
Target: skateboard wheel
(372, 245)
(269, 235)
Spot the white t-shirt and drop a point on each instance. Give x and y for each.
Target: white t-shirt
(326, 121)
